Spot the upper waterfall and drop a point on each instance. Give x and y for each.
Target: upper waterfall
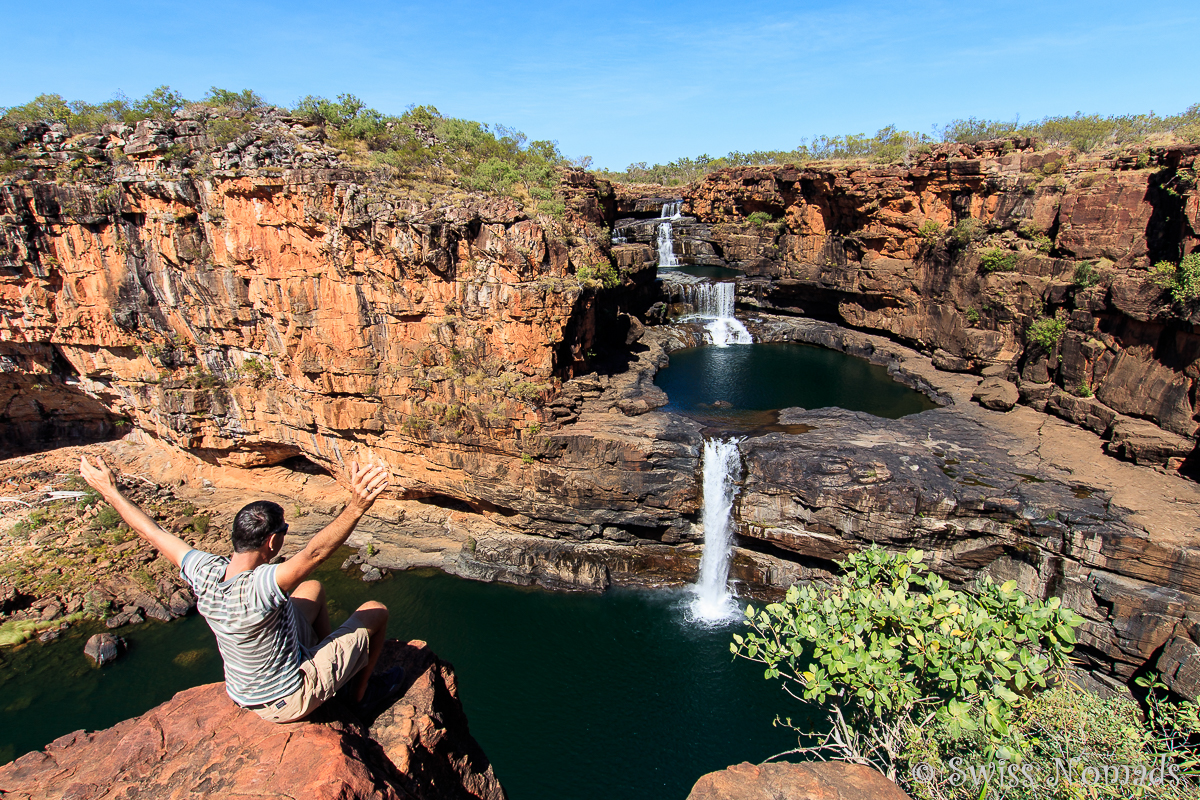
(671, 210)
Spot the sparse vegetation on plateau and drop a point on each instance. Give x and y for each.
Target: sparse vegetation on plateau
(1082, 132)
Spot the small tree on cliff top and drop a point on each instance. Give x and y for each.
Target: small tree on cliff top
(890, 647)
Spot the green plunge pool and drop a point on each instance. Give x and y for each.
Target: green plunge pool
(740, 387)
(610, 695)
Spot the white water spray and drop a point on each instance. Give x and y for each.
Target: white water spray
(712, 602)
(715, 302)
(666, 245)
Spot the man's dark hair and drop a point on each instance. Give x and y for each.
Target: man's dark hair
(254, 524)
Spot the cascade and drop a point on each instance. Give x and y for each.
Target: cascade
(715, 302)
(666, 245)
(712, 602)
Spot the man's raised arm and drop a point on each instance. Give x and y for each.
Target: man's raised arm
(101, 478)
(365, 486)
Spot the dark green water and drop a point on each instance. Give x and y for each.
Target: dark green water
(759, 378)
(570, 695)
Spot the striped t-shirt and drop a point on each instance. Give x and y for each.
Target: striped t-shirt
(252, 620)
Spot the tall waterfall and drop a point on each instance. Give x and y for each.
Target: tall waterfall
(714, 302)
(712, 602)
(666, 245)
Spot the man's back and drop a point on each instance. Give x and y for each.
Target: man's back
(254, 625)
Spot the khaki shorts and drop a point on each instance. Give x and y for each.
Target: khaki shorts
(328, 665)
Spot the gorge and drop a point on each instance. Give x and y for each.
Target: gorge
(257, 313)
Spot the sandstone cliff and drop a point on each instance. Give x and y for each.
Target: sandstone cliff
(262, 320)
(906, 251)
(201, 744)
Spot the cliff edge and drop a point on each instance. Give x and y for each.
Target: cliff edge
(200, 744)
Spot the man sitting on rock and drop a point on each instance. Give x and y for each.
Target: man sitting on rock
(281, 658)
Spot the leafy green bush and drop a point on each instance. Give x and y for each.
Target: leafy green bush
(891, 646)
(1182, 280)
(759, 218)
(1045, 332)
(598, 274)
(966, 232)
(995, 259)
(1073, 744)
(972, 316)
(1085, 275)
(930, 231)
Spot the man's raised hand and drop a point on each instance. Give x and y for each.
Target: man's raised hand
(367, 483)
(98, 476)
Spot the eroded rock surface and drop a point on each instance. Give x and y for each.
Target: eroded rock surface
(832, 780)
(200, 744)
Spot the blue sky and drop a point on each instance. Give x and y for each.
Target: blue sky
(627, 82)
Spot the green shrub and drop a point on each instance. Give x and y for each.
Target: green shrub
(1044, 332)
(1083, 390)
(930, 231)
(995, 259)
(257, 371)
(1182, 280)
(596, 275)
(965, 233)
(759, 218)
(108, 519)
(1074, 744)
(972, 316)
(1086, 275)
(201, 524)
(890, 647)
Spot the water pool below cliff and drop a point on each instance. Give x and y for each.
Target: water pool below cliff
(739, 387)
(570, 695)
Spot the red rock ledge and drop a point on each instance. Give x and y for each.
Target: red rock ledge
(199, 744)
(830, 780)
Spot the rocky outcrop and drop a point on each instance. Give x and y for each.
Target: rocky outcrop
(960, 250)
(200, 743)
(831, 780)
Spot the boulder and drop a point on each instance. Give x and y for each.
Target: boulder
(830, 780)
(1143, 442)
(153, 609)
(181, 603)
(1179, 666)
(996, 394)
(200, 744)
(102, 648)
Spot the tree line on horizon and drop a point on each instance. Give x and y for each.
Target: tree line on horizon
(421, 141)
(502, 160)
(1085, 133)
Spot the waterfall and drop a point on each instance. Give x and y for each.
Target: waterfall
(712, 602)
(666, 245)
(714, 302)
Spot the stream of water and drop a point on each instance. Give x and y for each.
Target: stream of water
(713, 604)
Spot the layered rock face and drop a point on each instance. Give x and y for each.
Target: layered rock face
(251, 316)
(200, 744)
(289, 310)
(960, 251)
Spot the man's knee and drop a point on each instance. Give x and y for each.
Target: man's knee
(373, 614)
(310, 590)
